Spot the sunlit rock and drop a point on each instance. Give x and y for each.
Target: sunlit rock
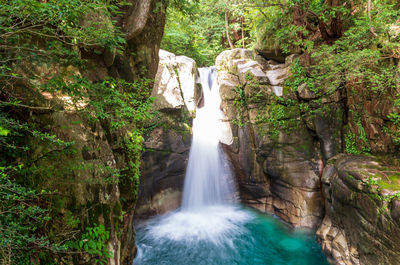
(175, 83)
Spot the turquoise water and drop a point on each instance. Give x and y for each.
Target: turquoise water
(224, 235)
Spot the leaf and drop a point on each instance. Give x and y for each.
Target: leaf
(4, 132)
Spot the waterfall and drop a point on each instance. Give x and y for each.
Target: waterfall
(207, 213)
(208, 229)
(208, 181)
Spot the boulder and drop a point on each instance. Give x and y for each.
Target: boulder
(175, 82)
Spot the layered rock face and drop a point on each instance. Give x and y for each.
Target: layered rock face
(362, 220)
(167, 147)
(277, 172)
(283, 145)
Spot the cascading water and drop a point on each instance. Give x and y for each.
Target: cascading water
(210, 228)
(208, 181)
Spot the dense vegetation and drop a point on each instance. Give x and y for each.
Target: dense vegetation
(203, 29)
(42, 52)
(44, 45)
(349, 47)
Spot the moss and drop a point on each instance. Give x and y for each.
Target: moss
(117, 216)
(331, 162)
(286, 90)
(391, 182)
(106, 209)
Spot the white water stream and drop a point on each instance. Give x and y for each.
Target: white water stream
(210, 228)
(208, 210)
(208, 181)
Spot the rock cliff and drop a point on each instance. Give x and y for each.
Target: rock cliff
(167, 146)
(89, 189)
(361, 223)
(283, 145)
(277, 171)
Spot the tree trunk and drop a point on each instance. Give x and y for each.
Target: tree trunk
(369, 7)
(243, 32)
(227, 29)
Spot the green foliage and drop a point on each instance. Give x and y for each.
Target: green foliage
(360, 60)
(376, 181)
(134, 146)
(24, 210)
(121, 103)
(41, 47)
(395, 118)
(357, 143)
(299, 77)
(241, 105)
(197, 35)
(280, 115)
(21, 218)
(53, 31)
(350, 142)
(94, 243)
(199, 31)
(4, 132)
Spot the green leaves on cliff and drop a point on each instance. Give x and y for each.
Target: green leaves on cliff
(353, 56)
(93, 242)
(395, 118)
(120, 102)
(25, 212)
(56, 31)
(44, 51)
(134, 145)
(21, 218)
(70, 22)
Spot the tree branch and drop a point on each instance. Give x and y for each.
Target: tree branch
(26, 106)
(369, 6)
(227, 30)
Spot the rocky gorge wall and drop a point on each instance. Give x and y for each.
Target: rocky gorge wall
(84, 178)
(283, 147)
(167, 146)
(277, 171)
(286, 160)
(361, 223)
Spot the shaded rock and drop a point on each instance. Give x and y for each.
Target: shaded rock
(372, 129)
(290, 59)
(305, 93)
(279, 176)
(361, 223)
(167, 146)
(163, 171)
(227, 86)
(276, 55)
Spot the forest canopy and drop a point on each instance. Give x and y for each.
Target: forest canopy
(202, 29)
